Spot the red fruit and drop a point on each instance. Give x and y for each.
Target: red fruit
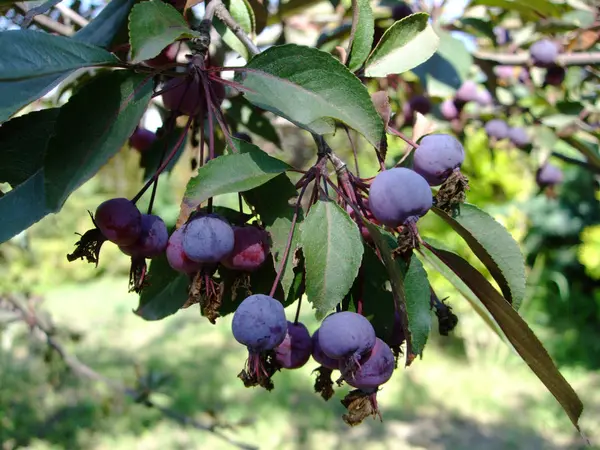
(250, 249)
(119, 220)
(185, 95)
(142, 139)
(167, 56)
(177, 258)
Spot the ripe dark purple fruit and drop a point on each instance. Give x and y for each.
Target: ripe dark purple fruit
(505, 72)
(152, 241)
(142, 139)
(437, 156)
(119, 220)
(296, 348)
(555, 75)
(467, 92)
(548, 175)
(184, 95)
(401, 11)
(177, 258)
(250, 249)
(449, 110)
(496, 128)
(319, 355)
(208, 239)
(376, 369)
(544, 53)
(420, 104)
(518, 136)
(259, 323)
(399, 194)
(346, 335)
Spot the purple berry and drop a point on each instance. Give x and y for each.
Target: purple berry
(437, 156)
(449, 110)
(397, 336)
(555, 75)
(250, 249)
(152, 241)
(177, 258)
(467, 92)
(400, 11)
(296, 348)
(505, 72)
(184, 95)
(484, 98)
(502, 35)
(319, 355)
(208, 239)
(259, 323)
(142, 139)
(399, 194)
(420, 104)
(346, 335)
(496, 128)
(544, 53)
(119, 220)
(548, 175)
(518, 136)
(376, 369)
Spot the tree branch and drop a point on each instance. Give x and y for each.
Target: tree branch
(44, 22)
(221, 12)
(522, 59)
(30, 317)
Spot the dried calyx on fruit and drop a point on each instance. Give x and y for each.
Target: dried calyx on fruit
(437, 156)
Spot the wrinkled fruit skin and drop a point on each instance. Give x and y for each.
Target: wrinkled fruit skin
(152, 241)
(376, 369)
(177, 258)
(167, 56)
(449, 110)
(119, 220)
(496, 128)
(249, 251)
(548, 175)
(543, 53)
(184, 95)
(296, 348)
(259, 323)
(467, 92)
(346, 335)
(518, 136)
(142, 139)
(319, 355)
(399, 194)
(555, 76)
(208, 239)
(437, 156)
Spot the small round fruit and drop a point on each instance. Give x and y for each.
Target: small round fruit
(142, 139)
(399, 194)
(555, 75)
(496, 128)
(119, 220)
(544, 53)
(152, 241)
(184, 95)
(319, 355)
(296, 348)
(420, 104)
(208, 239)
(518, 136)
(250, 249)
(484, 98)
(376, 369)
(401, 10)
(548, 175)
(259, 323)
(505, 72)
(467, 92)
(437, 156)
(177, 258)
(449, 110)
(346, 335)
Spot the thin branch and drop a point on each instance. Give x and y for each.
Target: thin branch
(522, 59)
(38, 10)
(69, 13)
(221, 12)
(46, 22)
(30, 317)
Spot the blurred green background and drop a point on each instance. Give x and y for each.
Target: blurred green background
(468, 392)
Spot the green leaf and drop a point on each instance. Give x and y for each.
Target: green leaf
(152, 157)
(531, 9)
(31, 54)
(242, 13)
(333, 250)
(243, 112)
(236, 172)
(418, 304)
(559, 120)
(23, 142)
(91, 128)
(165, 293)
(406, 44)
(271, 203)
(103, 28)
(311, 89)
(518, 333)
(153, 25)
(363, 36)
(494, 246)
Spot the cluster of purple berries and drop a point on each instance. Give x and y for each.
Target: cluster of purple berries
(498, 129)
(468, 92)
